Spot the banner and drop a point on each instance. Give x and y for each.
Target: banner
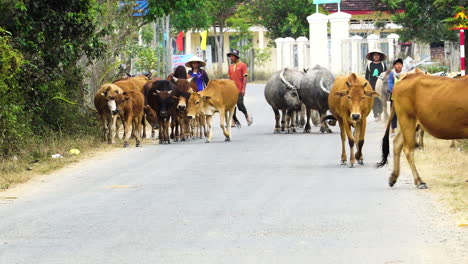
(180, 41)
(178, 60)
(204, 36)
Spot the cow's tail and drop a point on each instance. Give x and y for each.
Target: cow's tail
(328, 117)
(386, 141)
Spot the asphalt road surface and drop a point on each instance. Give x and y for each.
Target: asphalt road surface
(262, 198)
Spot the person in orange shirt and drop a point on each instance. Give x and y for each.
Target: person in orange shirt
(238, 73)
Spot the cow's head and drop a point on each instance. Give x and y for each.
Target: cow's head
(114, 96)
(356, 96)
(196, 104)
(163, 100)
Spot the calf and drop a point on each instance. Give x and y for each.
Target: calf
(219, 96)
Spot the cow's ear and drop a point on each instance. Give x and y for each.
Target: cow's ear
(348, 84)
(342, 93)
(371, 93)
(175, 97)
(206, 98)
(365, 84)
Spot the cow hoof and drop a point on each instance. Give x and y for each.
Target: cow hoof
(207, 141)
(138, 145)
(125, 145)
(361, 162)
(422, 186)
(227, 140)
(306, 130)
(329, 131)
(391, 182)
(351, 165)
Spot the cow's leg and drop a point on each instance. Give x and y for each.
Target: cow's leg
(287, 121)
(127, 125)
(323, 125)
(143, 124)
(168, 124)
(315, 117)
(343, 140)
(283, 119)
(397, 147)
(203, 124)
(384, 108)
(161, 131)
(223, 124)
(230, 117)
(105, 120)
(351, 142)
(408, 147)
(308, 116)
(360, 133)
(302, 115)
(138, 126)
(294, 114)
(208, 124)
(277, 120)
(113, 129)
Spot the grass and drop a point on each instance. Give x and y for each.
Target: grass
(36, 158)
(444, 169)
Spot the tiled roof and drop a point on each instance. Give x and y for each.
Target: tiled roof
(355, 5)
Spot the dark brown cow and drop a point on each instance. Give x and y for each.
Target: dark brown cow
(438, 104)
(351, 100)
(159, 98)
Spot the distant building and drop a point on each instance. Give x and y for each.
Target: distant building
(366, 14)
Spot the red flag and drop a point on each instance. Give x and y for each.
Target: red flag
(180, 41)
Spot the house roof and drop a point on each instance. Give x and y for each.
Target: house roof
(356, 7)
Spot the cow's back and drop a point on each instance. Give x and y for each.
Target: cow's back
(439, 103)
(132, 83)
(223, 92)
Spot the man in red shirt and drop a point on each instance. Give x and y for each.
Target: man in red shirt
(238, 73)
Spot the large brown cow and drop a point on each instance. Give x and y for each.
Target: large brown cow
(438, 104)
(219, 96)
(107, 110)
(351, 100)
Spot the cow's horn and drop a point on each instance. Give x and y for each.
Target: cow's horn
(175, 79)
(323, 87)
(288, 84)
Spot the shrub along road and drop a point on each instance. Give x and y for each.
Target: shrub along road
(262, 198)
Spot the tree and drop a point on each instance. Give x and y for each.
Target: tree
(282, 17)
(422, 19)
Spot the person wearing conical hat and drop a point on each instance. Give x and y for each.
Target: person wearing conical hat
(200, 76)
(374, 68)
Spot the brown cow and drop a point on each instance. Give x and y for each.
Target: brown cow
(107, 110)
(351, 100)
(438, 104)
(219, 96)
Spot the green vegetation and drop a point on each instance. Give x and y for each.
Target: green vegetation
(423, 19)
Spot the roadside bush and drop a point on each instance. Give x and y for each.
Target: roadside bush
(13, 118)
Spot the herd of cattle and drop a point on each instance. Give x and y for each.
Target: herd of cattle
(172, 104)
(437, 104)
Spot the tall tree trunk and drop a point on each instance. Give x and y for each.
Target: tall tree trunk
(219, 41)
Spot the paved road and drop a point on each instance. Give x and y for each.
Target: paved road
(262, 198)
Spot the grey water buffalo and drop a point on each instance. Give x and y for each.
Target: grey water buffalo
(281, 92)
(314, 91)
